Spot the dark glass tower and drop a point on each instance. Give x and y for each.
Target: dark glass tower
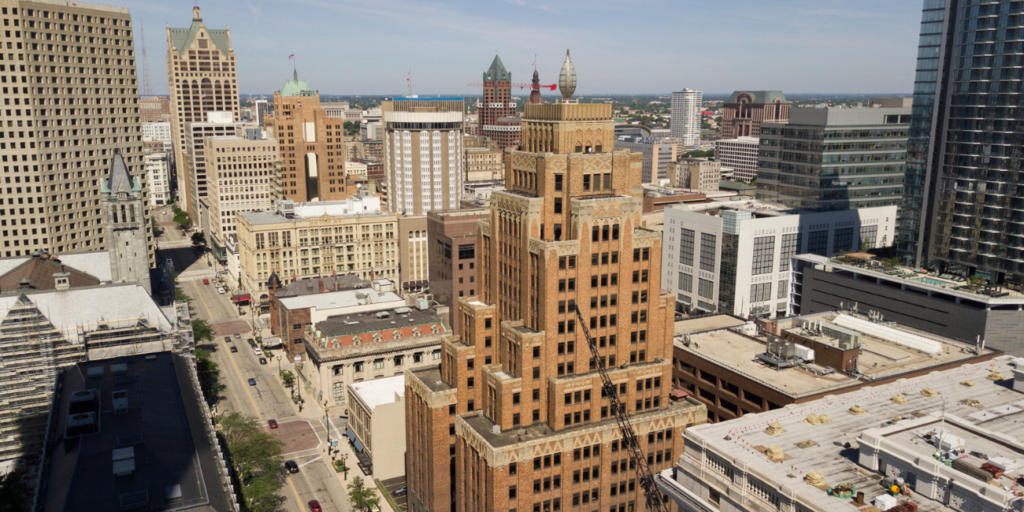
(964, 176)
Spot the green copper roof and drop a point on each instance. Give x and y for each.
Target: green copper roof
(497, 71)
(136, 186)
(181, 38)
(759, 96)
(296, 87)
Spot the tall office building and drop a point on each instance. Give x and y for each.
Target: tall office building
(216, 124)
(243, 174)
(834, 158)
(686, 106)
(962, 203)
(743, 114)
(262, 109)
(423, 153)
(497, 114)
(59, 127)
(515, 418)
(202, 78)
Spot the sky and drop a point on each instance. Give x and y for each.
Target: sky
(353, 47)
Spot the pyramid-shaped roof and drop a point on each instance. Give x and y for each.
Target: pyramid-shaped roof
(497, 71)
(119, 180)
(296, 87)
(181, 38)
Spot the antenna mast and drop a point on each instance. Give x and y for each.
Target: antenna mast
(147, 91)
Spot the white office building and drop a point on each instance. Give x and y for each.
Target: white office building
(157, 132)
(158, 177)
(686, 108)
(734, 257)
(740, 155)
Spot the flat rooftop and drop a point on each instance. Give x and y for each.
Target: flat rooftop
(379, 391)
(163, 425)
(737, 439)
(707, 323)
(431, 377)
(341, 299)
(397, 318)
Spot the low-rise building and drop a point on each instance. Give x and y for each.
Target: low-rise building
(734, 257)
(355, 169)
(699, 174)
(945, 440)
(376, 424)
(158, 178)
(740, 155)
(453, 236)
(365, 346)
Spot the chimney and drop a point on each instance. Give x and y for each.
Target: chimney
(320, 285)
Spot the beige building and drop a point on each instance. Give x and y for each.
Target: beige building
(194, 171)
(415, 262)
(423, 154)
(356, 170)
(376, 420)
(244, 174)
(202, 78)
(702, 174)
(483, 164)
(155, 109)
(59, 127)
(158, 177)
(296, 240)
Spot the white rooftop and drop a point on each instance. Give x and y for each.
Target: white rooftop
(379, 391)
(342, 299)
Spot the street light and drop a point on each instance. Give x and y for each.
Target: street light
(344, 456)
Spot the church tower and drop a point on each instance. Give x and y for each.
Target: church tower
(125, 226)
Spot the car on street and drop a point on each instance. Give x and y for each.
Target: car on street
(234, 349)
(257, 351)
(252, 382)
(291, 466)
(314, 506)
(227, 339)
(237, 336)
(220, 291)
(252, 342)
(263, 360)
(272, 423)
(400, 491)
(206, 281)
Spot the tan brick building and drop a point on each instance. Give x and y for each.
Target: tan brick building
(514, 418)
(452, 246)
(60, 129)
(202, 78)
(414, 260)
(312, 144)
(484, 164)
(743, 114)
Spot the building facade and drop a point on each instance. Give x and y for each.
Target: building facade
(71, 161)
(202, 77)
(262, 110)
(157, 132)
(743, 114)
(686, 109)
(656, 155)
(734, 257)
(423, 157)
(834, 158)
(414, 259)
(740, 155)
(376, 419)
(452, 244)
(514, 416)
(483, 164)
(698, 174)
(158, 176)
(498, 105)
(243, 175)
(124, 215)
(196, 173)
(312, 145)
(155, 109)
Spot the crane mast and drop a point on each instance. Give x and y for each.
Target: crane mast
(629, 439)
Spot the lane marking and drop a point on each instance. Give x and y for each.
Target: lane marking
(309, 462)
(296, 491)
(245, 384)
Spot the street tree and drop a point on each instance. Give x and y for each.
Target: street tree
(209, 375)
(199, 239)
(362, 497)
(201, 330)
(15, 494)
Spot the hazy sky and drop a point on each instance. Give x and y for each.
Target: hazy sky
(619, 47)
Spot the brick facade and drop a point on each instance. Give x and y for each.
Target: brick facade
(452, 247)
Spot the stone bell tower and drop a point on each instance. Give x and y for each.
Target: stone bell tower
(125, 226)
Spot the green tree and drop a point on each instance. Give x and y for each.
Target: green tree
(199, 239)
(236, 427)
(181, 218)
(351, 128)
(181, 296)
(201, 330)
(256, 457)
(287, 377)
(15, 494)
(260, 494)
(156, 228)
(362, 497)
(209, 375)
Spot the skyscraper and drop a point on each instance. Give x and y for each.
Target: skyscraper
(743, 114)
(498, 107)
(967, 182)
(60, 125)
(515, 417)
(202, 78)
(686, 116)
(312, 144)
(423, 154)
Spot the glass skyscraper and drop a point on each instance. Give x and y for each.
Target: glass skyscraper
(964, 193)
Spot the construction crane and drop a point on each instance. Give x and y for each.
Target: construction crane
(550, 87)
(629, 440)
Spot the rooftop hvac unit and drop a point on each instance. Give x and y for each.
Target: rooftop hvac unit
(94, 372)
(118, 369)
(120, 400)
(87, 395)
(383, 314)
(897, 336)
(80, 424)
(402, 311)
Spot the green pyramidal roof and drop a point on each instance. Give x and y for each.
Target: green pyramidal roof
(296, 87)
(497, 71)
(181, 38)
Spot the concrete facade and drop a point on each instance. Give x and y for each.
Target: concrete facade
(243, 174)
(125, 222)
(696, 174)
(686, 111)
(423, 155)
(414, 257)
(483, 164)
(195, 174)
(656, 155)
(376, 417)
(740, 155)
(453, 256)
(158, 176)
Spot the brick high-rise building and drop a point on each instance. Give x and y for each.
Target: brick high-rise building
(312, 144)
(202, 78)
(60, 130)
(743, 114)
(514, 418)
(497, 115)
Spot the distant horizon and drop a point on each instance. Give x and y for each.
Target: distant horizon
(527, 93)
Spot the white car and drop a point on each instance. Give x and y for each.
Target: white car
(220, 291)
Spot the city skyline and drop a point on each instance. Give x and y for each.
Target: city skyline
(745, 45)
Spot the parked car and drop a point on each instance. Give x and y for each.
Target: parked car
(263, 360)
(400, 491)
(220, 291)
(237, 336)
(272, 423)
(314, 506)
(227, 339)
(291, 466)
(257, 351)
(206, 281)
(252, 382)
(234, 349)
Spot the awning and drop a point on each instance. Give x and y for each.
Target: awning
(355, 442)
(678, 394)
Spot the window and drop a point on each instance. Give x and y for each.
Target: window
(790, 247)
(685, 282)
(467, 252)
(817, 242)
(558, 205)
(705, 288)
(868, 234)
(783, 289)
(686, 247)
(378, 364)
(558, 182)
(760, 293)
(764, 252)
(842, 240)
(511, 492)
(707, 252)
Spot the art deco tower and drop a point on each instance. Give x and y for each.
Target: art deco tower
(498, 107)
(514, 417)
(202, 78)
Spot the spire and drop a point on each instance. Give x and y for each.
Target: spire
(118, 180)
(535, 89)
(567, 78)
(497, 71)
(197, 15)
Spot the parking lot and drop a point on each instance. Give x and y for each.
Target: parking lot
(393, 485)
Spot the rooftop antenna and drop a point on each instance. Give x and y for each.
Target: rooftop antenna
(147, 91)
